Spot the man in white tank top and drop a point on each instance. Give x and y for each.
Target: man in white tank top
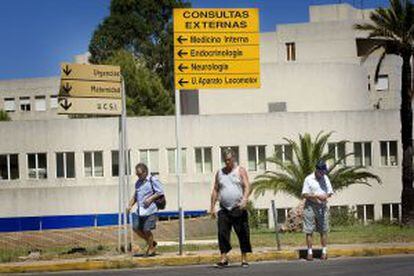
(231, 189)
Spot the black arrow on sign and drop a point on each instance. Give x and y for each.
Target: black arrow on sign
(66, 88)
(181, 82)
(67, 70)
(181, 39)
(65, 104)
(181, 53)
(181, 67)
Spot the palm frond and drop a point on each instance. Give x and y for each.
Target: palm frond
(289, 176)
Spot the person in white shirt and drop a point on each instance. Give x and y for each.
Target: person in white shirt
(317, 189)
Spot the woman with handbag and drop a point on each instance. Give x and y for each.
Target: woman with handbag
(149, 197)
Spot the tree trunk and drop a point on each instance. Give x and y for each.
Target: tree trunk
(406, 116)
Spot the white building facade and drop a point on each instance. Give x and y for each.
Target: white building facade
(313, 79)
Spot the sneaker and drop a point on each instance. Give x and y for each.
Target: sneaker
(309, 257)
(222, 264)
(245, 264)
(324, 257)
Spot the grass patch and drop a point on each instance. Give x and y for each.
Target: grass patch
(356, 234)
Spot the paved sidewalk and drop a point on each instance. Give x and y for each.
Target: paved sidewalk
(199, 257)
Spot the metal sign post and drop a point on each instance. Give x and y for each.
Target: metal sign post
(221, 51)
(96, 90)
(178, 171)
(274, 210)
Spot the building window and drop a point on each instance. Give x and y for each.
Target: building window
(150, 158)
(53, 102)
(365, 213)
(40, 103)
(282, 215)
(262, 216)
(115, 163)
(172, 156)
(65, 165)
(9, 166)
(37, 165)
(382, 83)
(9, 105)
(93, 164)
(256, 156)
(338, 149)
(362, 154)
(25, 104)
(235, 149)
(391, 211)
(284, 153)
(204, 160)
(290, 51)
(389, 155)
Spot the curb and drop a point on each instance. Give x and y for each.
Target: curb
(129, 262)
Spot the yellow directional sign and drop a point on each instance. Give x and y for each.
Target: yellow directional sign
(215, 39)
(216, 48)
(219, 52)
(90, 89)
(90, 72)
(218, 81)
(205, 67)
(96, 106)
(96, 89)
(216, 20)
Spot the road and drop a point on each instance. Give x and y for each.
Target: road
(378, 266)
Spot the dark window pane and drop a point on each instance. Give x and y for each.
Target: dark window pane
(70, 165)
(368, 161)
(3, 167)
(115, 165)
(14, 166)
(395, 211)
(42, 165)
(360, 212)
(31, 158)
(385, 211)
(370, 212)
(358, 154)
(281, 216)
(288, 153)
(60, 172)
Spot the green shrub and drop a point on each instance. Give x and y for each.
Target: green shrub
(343, 216)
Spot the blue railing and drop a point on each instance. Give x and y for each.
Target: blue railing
(18, 224)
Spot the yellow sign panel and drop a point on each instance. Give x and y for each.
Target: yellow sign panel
(97, 106)
(216, 20)
(96, 89)
(215, 39)
(217, 52)
(205, 67)
(90, 72)
(217, 81)
(216, 48)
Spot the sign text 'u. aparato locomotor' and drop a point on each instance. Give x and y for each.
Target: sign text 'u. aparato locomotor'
(216, 48)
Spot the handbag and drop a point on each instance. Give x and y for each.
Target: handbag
(160, 202)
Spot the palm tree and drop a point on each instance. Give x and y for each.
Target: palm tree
(289, 176)
(391, 32)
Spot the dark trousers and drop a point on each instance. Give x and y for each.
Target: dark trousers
(240, 222)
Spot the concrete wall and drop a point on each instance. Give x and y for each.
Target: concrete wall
(30, 88)
(82, 195)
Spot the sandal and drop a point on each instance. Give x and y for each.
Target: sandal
(222, 264)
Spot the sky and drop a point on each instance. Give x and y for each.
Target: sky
(37, 35)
